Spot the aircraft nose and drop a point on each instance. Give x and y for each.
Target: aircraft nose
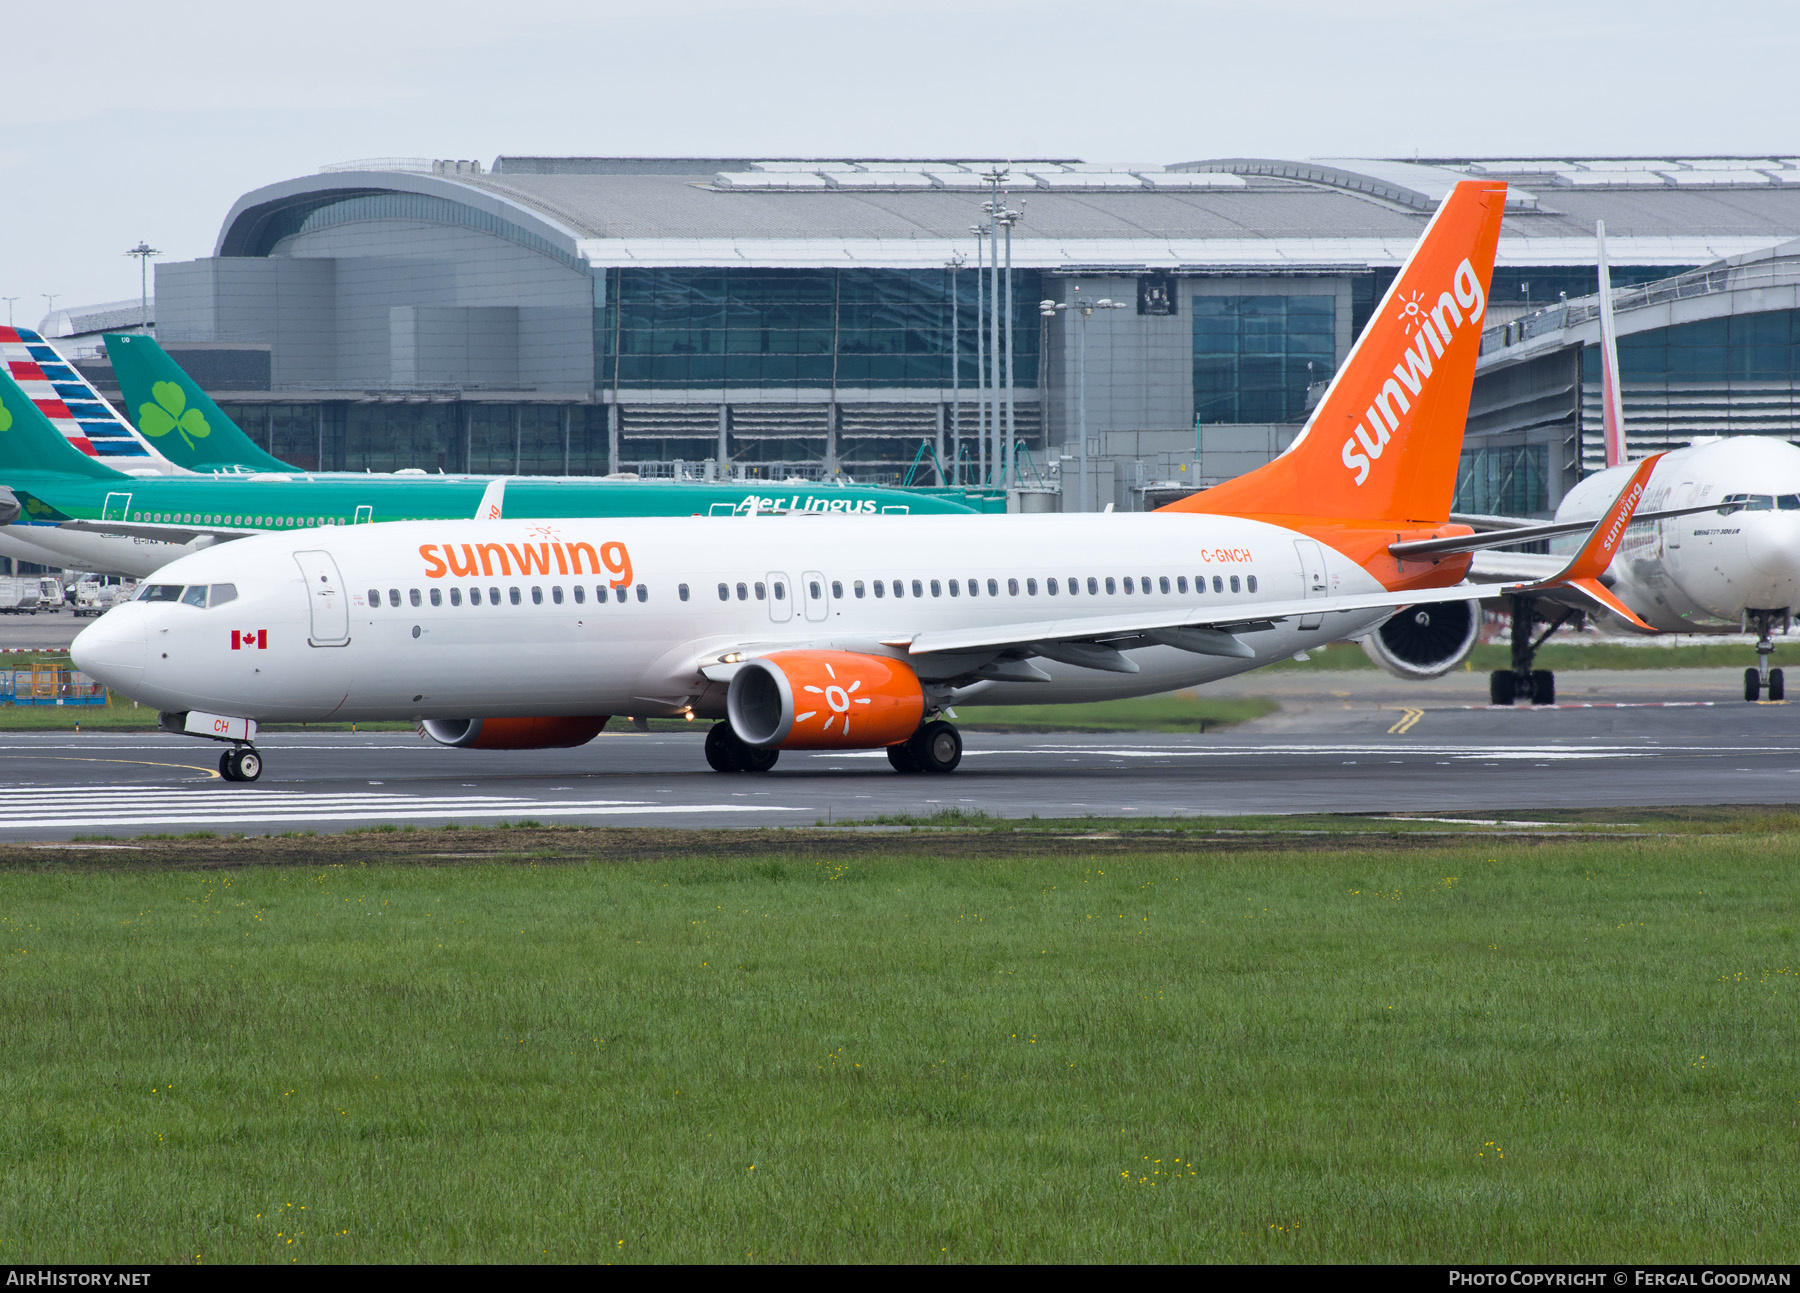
(113, 649)
(1772, 542)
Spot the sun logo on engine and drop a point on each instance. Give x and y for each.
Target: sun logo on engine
(837, 699)
(1412, 311)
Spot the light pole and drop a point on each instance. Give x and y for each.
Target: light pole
(49, 302)
(994, 178)
(1049, 310)
(144, 251)
(1010, 464)
(9, 304)
(981, 408)
(954, 265)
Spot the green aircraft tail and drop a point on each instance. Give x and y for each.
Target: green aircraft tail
(30, 443)
(164, 403)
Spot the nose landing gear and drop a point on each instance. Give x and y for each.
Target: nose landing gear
(1763, 679)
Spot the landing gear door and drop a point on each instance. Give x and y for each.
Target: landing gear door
(781, 597)
(1312, 578)
(812, 587)
(327, 598)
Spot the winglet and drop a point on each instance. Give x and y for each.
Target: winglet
(493, 500)
(1608, 533)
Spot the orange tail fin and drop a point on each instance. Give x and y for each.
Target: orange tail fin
(1384, 443)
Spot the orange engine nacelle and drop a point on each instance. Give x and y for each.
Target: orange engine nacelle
(824, 700)
(513, 733)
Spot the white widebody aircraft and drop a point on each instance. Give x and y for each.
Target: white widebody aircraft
(1716, 548)
(862, 634)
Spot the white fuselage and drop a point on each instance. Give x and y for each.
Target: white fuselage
(355, 623)
(1701, 573)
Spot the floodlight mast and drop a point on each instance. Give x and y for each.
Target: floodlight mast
(1049, 310)
(9, 308)
(954, 265)
(144, 251)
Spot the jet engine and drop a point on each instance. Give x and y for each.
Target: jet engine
(1425, 641)
(824, 700)
(513, 733)
(9, 506)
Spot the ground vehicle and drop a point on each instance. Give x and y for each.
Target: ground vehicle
(95, 594)
(19, 594)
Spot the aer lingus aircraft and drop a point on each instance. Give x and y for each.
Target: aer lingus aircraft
(1716, 548)
(61, 507)
(862, 634)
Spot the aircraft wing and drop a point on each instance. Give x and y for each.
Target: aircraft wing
(162, 532)
(1523, 532)
(1523, 567)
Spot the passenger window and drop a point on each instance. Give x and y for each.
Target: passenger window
(222, 593)
(815, 589)
(1181, 583)
(537, 596)
(374, 597)
(743, 592)
(474, 597)
(724, 593)
(955, 588)
(556, 594)
(837, 588)
(493, 596)
(1031, 587)
(681, 591)
(194, 596)
(1128, 587)
(937, 589)
(880, 589)
(581, 593)
(1218, 584)
(619, 593)
(974, 588)
(993, 588)
(918, 589)
(899, 588)
(1050, 586)
(858, 586)
(1162, 582)
(780, 591)
(1234, 583)
(512, 594)
(1012, 587)
(412, 595)
(762, 592)
(1094, 586)
(393, 597)
(437, 597)
(1250, 582)
(643, 592)
(456, 597)
(1111, 587)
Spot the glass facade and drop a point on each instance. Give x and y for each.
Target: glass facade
(486, 439)
(707, 329)
(1510, 481)
(1741, 348)
(1255, 355)
(1543, 284)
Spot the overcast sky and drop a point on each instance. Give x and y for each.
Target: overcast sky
(126, 121)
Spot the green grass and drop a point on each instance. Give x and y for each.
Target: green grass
(1172, 712)
(1492, 1051)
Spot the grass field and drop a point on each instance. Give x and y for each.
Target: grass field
(1017, 1044)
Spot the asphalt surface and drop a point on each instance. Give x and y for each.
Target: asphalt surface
(1340, 744)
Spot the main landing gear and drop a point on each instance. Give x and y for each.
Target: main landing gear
(1522, 682)
(241, 763)
(726, 751)
(935, 747)
(1763, 679)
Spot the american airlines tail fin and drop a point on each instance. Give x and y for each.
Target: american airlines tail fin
(31, 442)
(164, 402)
(1384, 443)
(1612, 404)
(77, 411)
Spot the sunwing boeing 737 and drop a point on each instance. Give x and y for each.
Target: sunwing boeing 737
(860, 635)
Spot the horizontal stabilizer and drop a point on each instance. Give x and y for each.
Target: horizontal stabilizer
(1416, 548)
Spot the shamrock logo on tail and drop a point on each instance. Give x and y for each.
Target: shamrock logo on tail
(167, 415)
(6, 418)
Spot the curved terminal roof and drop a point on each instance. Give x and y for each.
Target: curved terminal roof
(1249, 214)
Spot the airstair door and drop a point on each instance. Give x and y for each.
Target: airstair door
(1312, 578)
(812, 585)
(329, 601)
(365, 514)
(781, 597)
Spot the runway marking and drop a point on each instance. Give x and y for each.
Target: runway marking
(46, 807)
(1408, 718)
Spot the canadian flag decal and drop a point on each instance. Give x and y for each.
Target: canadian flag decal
(249, 639)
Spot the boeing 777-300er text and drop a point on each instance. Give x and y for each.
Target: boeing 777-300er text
(61, 507)
(861, 635)
(1715, 549)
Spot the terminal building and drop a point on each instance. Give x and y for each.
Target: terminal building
(823, 317)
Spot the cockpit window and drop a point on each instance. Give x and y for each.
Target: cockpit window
(194, 596)
(160, 593)
(222, 593)
(1748, 503)
(1788, 502)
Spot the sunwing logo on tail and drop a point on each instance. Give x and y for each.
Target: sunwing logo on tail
(1431, 328)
